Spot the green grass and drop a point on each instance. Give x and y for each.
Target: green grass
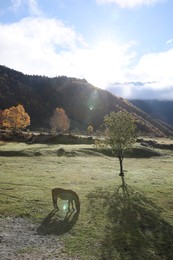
(134, 221)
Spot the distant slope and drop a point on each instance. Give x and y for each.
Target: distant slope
(83, 103)
(160, 109)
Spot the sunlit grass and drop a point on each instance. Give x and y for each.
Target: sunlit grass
(26, 183)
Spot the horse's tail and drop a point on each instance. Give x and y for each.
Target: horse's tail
(77, 202)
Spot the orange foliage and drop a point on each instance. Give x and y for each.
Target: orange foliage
(59, 121)
(15, 118)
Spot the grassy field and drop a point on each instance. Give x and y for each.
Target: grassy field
(129, 218)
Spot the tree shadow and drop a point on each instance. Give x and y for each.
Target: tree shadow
(57, 224)
(134, 227)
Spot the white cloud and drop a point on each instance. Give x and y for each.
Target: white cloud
(49, 47)
(150, 78)
(31, 5)
(16, 4)
(147, 90)
(153, 66)
(37, 45)
(129, 3)
(170, 41)
(104, 62)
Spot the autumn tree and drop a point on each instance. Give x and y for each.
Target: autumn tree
(120, 134)
(59, 121)
(15, 118)
(90, 130)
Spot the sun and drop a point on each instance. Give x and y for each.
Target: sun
(103, 63)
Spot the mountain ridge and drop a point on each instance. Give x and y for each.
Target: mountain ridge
(84, 104)
(160, 109)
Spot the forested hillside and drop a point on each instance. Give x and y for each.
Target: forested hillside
(84, 104)
(160, 109)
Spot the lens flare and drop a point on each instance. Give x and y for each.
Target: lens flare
(91, 108)
(64, 206)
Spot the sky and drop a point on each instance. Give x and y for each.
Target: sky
(125, 46)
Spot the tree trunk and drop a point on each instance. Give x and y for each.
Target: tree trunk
(121, 166)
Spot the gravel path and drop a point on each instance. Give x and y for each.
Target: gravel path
(19, 240)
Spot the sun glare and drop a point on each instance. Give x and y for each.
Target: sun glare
(104, 62)
(64, 206)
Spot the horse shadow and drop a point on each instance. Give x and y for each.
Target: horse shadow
(56, 224)
(135, 228)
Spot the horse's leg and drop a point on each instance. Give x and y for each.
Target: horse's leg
(68, 205)
(72, 203)
(57, 203)
(54, 202)
(53, 199)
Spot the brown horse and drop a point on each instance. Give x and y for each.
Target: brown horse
(69, 195)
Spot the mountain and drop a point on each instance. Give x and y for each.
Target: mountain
(84, 104)
(160, 109)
